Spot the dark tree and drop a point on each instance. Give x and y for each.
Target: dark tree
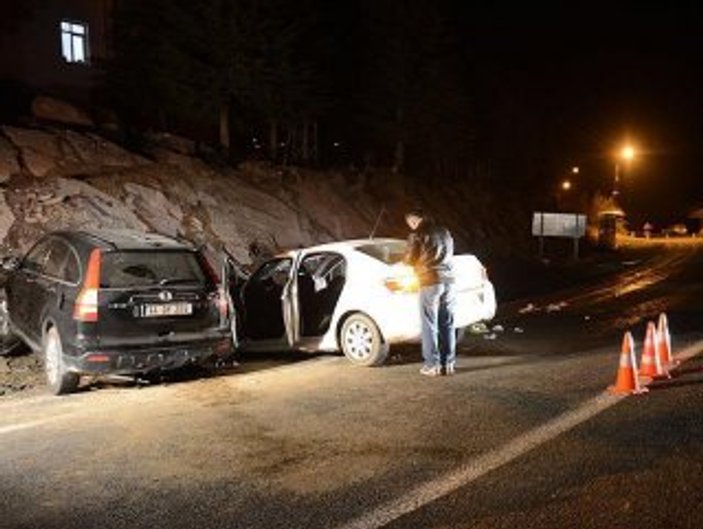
(230, 65)
(413, 98)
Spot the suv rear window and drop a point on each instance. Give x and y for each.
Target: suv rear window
(128, 269)
(388, 252)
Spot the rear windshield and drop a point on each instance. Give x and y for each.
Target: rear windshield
(151, 268)
(388, 252)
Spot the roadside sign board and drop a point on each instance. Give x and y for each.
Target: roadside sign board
(568, 225)
(571, 225)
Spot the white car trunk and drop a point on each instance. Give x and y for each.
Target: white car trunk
(475, 296)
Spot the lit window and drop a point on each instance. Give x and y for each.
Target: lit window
(74, 41)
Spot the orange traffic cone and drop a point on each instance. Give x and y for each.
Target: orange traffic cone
(651, 365)
(626, 382)
(664, 341)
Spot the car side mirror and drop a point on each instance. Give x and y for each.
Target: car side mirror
(10, 263)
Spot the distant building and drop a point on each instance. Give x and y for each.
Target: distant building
(55, 47)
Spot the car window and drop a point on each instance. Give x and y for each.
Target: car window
(276, 271)
(390, 252)
(36, 258)
(312, 263)
(55, 259)
(327, 265)
(334, 267)
(127, 269)
(71, 271)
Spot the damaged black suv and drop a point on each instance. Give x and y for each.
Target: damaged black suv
(116, 302)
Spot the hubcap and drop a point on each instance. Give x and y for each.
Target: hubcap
(359, 340)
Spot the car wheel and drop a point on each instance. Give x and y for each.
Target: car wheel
(58, 379)
(362, 342)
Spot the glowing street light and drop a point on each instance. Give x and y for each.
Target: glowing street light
(566, 185)
(627, 154)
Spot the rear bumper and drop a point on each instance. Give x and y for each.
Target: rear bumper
(142, 359)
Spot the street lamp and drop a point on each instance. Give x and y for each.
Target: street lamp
(627, 154)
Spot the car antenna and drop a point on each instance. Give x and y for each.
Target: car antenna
(378, 221)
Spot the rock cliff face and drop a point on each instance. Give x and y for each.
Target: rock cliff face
(62, 179)
(55, 179)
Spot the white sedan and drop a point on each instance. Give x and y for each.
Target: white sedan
(354, 296)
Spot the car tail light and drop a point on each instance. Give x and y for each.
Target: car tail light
(86, 307)
(222, 303)
(220, 298)
(98, 358)
(209, 270)
(403, 279)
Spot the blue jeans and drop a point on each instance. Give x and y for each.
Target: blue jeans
(437, 305)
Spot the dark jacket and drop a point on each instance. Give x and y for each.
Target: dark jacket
(430, 249)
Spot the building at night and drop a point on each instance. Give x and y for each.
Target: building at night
(55, 48)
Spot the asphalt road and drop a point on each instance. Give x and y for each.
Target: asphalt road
(522, 436)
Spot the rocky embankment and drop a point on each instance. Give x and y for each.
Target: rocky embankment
(55, 179)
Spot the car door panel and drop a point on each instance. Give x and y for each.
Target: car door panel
(49, 288)
(290, 304)
(24, 291)
(262, 302)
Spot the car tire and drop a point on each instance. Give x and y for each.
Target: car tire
(361, 341)
(59, 380)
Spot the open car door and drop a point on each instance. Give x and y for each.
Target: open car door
(291, 304)
(233, 279)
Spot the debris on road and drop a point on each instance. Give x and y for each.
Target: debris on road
(556, 307)
(478, 328)
(491, 336)
(530, 307)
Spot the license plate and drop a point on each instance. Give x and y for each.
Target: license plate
(167, 309)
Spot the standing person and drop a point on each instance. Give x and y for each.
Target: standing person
(430, 249)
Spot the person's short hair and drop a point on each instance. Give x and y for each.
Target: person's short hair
(416, 212)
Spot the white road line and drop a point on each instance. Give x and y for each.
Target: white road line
(430, 491)
(26, 425)
(481, 465)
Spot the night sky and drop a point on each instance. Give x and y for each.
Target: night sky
(589, 79)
